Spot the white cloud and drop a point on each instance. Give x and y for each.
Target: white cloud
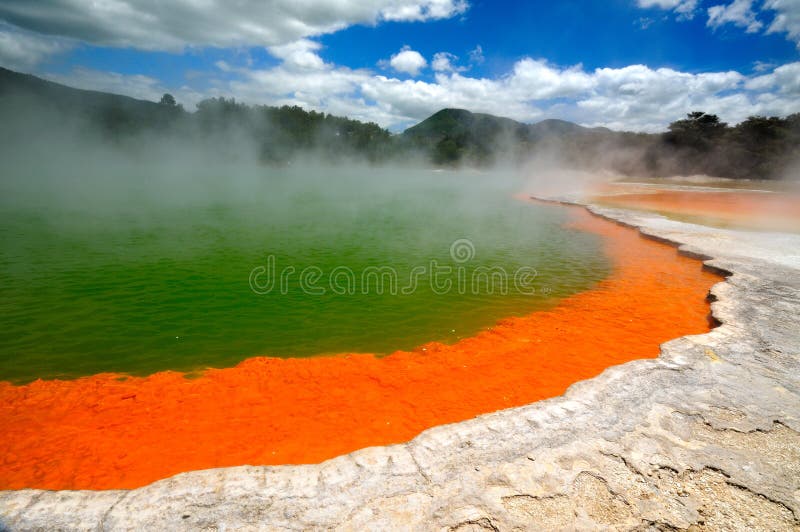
(739, 13)
(685, 9)
(224, 66)
(443, 62)
(761, 66)
(785, 79)
(409, 101)
(423, 10)
(21, 50)
(299, 54)
(476, 55)
(314, 87)
(408, 61)
(644, 99)
(635, 97)
(787, 19)
(159, 25)
(644, 22)
(537, 80)
(661, 4)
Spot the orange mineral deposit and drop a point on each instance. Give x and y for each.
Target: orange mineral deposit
(742, 209)
(109, 431)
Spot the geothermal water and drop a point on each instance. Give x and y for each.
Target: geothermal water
(137, 273)
(152, 289)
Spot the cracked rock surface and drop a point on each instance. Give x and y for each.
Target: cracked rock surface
(706, 437)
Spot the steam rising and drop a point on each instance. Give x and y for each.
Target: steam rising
(70, 165)
(134, 253)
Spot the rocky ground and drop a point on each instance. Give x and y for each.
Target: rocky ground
(705, 437)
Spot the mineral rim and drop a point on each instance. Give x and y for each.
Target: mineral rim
(706, 436)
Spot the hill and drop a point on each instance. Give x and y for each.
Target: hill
(111, 110)
(30, 106)
(456, 135)
(16, 83)
(758, 148)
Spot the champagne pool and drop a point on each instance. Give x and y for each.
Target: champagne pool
(138, 269)
(132, 273)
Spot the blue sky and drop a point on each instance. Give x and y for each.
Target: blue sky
(625, 64)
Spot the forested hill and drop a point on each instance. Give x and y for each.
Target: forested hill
(759, 147)
(15, 83)
(476, 126)
(457, 135)
(276, 134)
(109, 110)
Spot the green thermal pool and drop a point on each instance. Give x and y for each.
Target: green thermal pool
(139, 269)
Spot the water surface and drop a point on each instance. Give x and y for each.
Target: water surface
(137, 269)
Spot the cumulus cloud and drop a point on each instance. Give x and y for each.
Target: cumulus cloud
(739, 13)
(636, 97)
(300, 54)
(787, 19)
(785, 79)
(443, 62)
(23, 50)
(409, 100)
(641, 98)
(761, 66)
(685, 9)
(536, 79)
(417, 11)
(158, 25)
(408, 61)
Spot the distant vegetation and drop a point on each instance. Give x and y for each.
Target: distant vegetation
(273, 134)
(760, 147)
(281, 132)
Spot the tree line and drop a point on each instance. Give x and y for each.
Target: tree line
(759, 147)
(276, 133)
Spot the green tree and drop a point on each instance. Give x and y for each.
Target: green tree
(168, 100)
(697, 130)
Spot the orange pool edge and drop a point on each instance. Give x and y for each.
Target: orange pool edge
(107, 432)
(740, 208)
